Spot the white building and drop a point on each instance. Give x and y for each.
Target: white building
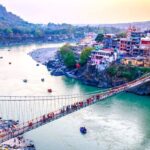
(105, 56)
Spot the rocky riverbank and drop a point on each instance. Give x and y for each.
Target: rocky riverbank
(18, 143)
(44, 55)
(113, 76)
(90, 75)
(103, 79)
(141, 90)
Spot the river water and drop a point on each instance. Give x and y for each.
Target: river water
(118, 123)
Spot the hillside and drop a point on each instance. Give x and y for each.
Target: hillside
(143, 25)
(10, 20)
(15, 30)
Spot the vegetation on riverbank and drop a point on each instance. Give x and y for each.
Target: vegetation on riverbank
(14, 29)
(126, 71)
(68, 56)
(84, 57)
(70, 59)
(115, 74)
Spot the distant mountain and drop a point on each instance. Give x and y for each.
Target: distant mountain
(10, 20)
(14, 29)
(143, 25)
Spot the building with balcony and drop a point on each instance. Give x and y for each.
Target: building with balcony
(104, 56)
(136, 61)
(110, 41)
(125, 45)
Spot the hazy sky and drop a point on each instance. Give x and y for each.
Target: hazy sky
(80, 11)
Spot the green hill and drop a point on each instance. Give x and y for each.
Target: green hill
(10, 20)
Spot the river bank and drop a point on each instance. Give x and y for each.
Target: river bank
(141, 90)
(111, 124)
(19, 143)
(89, 74)
(9, 43)
(15, 143)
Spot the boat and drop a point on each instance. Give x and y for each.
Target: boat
(42, 79)
(49, 90)
(25, 80)
(83, 130)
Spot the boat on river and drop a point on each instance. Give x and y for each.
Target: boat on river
(83, 130)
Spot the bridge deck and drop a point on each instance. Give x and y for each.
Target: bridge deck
(65, 110)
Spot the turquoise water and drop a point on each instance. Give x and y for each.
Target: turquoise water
(120, 122)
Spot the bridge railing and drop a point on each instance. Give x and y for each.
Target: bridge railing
(87, 99)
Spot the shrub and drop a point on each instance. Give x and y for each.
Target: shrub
(68, 56)
(112, 70)
(85, 55)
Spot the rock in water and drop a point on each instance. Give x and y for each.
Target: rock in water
(143, 89)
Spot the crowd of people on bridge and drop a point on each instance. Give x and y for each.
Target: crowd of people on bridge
(66, 109)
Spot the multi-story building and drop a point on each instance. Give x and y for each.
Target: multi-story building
(137, 52)
(136, 61)
(126, 45)
(110, 41)
(105, 56)
(145, 45)
(89, 39)
(132, 40)
(143, 49)
(130, 30)
(145, 42)
(136, 37)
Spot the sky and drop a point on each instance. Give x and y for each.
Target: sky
(80, 11)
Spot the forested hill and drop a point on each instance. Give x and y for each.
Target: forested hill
(14, 30)
(10, 20)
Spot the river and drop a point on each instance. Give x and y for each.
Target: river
(118, 123)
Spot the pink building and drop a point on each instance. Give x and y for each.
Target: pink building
(105, 56)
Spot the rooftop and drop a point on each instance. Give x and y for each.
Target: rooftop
(125, 39)
(108, 51)
(135, 58)
(145, 39)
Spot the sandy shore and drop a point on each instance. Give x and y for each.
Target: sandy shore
(43, 55)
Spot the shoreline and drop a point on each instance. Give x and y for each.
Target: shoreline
(15, 143)
(30, 42)
(56, 68)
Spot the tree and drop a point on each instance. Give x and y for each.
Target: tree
(99, 37)
(121, 35)
(68, 55)
(38, 33)
(85, 55)
(9, 32)
(112, 70)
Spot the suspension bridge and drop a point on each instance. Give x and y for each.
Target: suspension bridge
(35, 111)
